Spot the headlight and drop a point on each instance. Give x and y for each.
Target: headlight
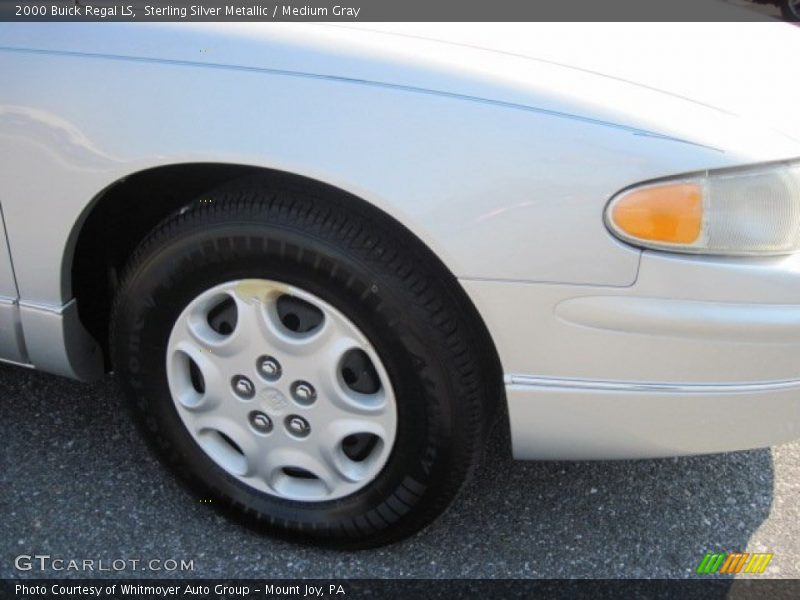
(752, 211)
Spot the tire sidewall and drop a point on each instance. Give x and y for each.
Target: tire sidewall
(172, 275)
(791, 12)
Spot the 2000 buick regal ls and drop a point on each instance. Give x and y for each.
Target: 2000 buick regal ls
(319, 259)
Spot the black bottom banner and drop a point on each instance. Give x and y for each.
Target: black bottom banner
(405, 589)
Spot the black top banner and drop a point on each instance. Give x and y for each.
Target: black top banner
(389, 10)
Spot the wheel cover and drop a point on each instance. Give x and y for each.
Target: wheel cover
(294, 402)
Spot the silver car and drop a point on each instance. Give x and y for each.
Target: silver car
(323, 261)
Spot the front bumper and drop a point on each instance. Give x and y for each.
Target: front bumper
(700, 355)
(562, 419)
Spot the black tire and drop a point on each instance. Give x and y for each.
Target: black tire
(790, 10)
(362, 263)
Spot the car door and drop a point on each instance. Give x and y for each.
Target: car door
(11, 346)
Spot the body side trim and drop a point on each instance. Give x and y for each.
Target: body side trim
(633, 386)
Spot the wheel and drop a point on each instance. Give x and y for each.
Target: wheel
(302, 363)
(790, 10)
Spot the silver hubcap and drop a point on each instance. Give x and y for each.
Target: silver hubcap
(281, 390)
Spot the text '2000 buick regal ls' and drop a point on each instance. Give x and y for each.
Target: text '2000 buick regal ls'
(322, 261)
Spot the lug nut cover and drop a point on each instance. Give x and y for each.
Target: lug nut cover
(297, 426)
(243, 387)
(260, 422)
(303, 392)
(269, 368)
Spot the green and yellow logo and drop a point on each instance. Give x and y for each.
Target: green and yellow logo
(735, 562)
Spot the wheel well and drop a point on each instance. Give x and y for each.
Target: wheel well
(119, 218)
(123, 214)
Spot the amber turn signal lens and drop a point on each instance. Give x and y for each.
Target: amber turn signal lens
(667, 214)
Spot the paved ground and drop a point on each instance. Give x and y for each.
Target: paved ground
(77, 482)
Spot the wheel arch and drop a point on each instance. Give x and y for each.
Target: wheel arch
(123, 213)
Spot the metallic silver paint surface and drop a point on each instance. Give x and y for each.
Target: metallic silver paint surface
(11, 342)
(8, 286)
(57, 342)
(562, 422)
(699, 355)
(686, 320)
(92, 104)
(12, 346)
(497, 147)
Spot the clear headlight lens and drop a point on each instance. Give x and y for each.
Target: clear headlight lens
(752, 211)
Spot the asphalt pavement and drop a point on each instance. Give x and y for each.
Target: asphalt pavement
(79, 484)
